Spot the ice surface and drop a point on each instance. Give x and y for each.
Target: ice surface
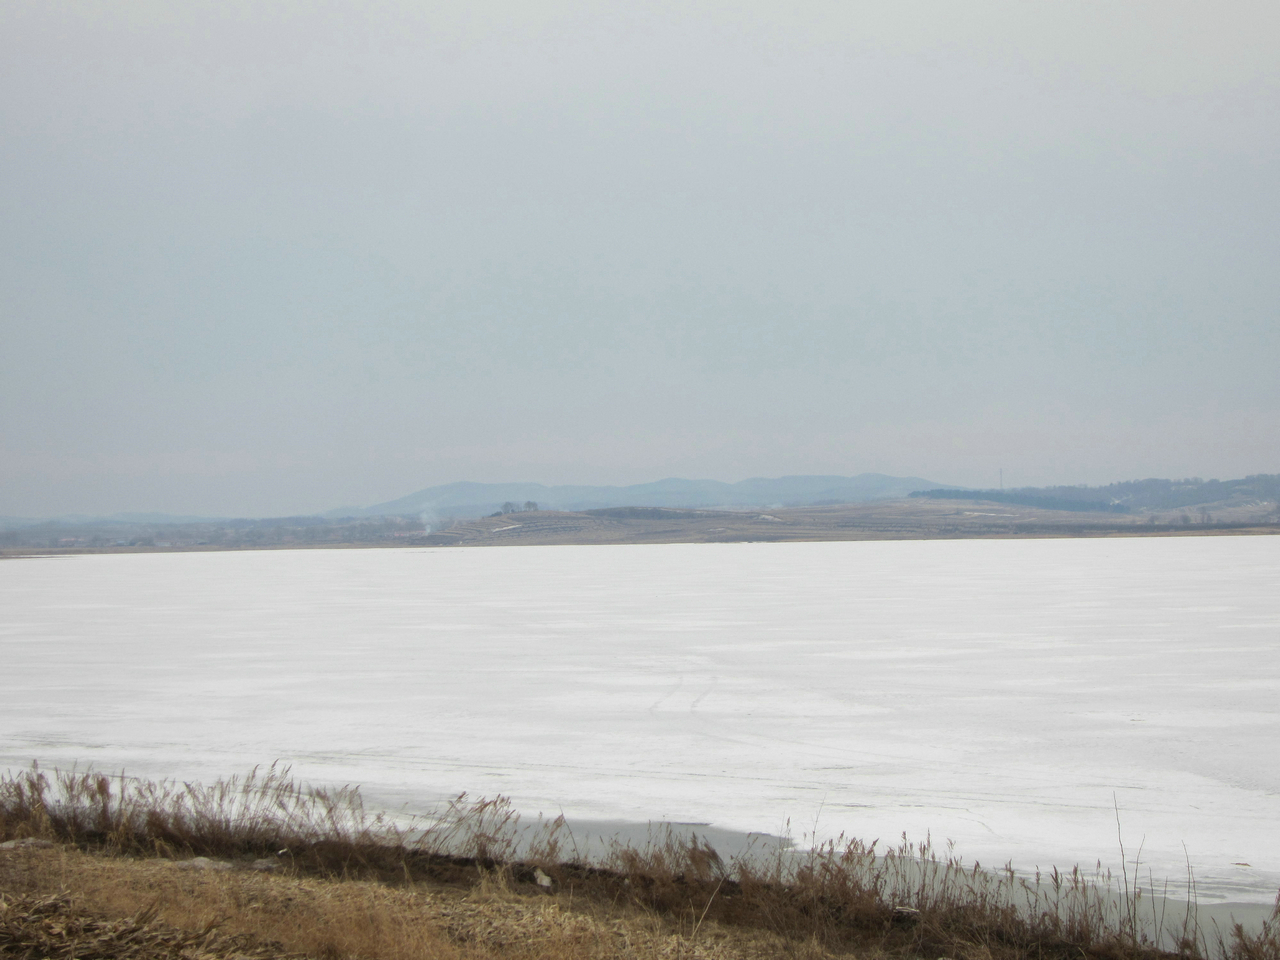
(997, 693)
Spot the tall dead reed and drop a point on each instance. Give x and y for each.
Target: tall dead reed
(906, 900)
(266, 813)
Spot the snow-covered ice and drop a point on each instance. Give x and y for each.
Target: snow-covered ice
(1004, 694)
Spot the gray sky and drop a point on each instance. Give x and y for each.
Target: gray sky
(264, 258)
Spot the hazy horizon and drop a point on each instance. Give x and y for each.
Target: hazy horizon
(276, 258)
(670, 492)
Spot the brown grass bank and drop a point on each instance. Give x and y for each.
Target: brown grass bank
(293, 871)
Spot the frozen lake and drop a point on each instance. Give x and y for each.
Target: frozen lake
(997, 693)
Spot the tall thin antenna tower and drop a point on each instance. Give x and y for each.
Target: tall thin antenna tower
(1002, 478)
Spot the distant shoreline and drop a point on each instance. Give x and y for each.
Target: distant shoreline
(548, 528)
(56, 552)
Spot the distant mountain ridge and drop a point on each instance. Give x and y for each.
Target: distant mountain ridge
(465, 500)
(477, 499)
(1127, 496)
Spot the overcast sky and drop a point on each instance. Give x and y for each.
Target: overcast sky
(266, 258)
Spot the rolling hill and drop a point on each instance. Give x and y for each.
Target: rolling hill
(467, 499)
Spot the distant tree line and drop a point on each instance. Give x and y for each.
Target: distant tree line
(510, 507)
(273, 531)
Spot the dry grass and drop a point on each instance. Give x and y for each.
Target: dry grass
(57, 925)
(141, 909)
(469, 882)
